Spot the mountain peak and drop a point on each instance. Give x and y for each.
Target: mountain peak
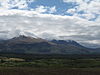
(21, 37)
(25, 39)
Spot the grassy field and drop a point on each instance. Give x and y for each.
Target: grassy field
(46, 71)
(16, 66)
(25, 65)
(50, 63)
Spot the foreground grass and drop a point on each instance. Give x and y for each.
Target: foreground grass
(51, 66)
(47, 71)
(55, 63)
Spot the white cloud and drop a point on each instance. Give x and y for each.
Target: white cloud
(90, 8)
(16, 22)
(71, 11)
(98, 19)
(77, 1)
(21, 4)
(52, 9)
(41, 9)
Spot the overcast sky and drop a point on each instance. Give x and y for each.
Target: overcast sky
(67, 19)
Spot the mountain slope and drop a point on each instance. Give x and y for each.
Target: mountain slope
(25, 44)
(67, 42)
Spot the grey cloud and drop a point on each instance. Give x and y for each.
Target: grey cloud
(49, 26)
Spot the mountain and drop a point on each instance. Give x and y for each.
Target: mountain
(26, 44)
(67, 42)
(24, 39)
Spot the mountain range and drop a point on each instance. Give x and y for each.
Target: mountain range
(26, 44)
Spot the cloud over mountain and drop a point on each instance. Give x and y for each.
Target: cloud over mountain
(43, 21)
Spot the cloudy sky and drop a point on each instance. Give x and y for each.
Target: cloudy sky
(67, 19)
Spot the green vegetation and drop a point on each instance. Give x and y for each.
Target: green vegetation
(23, 64)
(68, 63)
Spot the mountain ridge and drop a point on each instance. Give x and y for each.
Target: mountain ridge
(26, 44)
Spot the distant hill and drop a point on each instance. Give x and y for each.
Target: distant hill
(26, 44)
(67, 42)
